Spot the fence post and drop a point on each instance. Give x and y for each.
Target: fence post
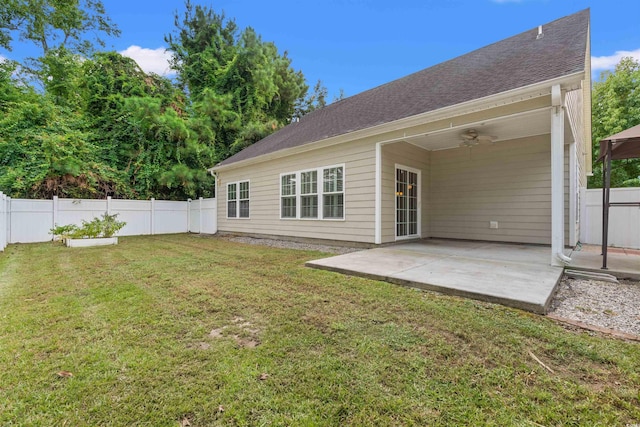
(153, 215)
(188, 215)
(200, 217)
(3, 220)
(108, 205)
(54, 213)
(9, 220)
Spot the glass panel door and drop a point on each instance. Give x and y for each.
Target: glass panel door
(407, 206)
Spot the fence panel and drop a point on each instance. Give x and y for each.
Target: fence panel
(74, 211)
(136, 213)
(171, 217)
(209, 217)
(624, 221)
(194, 215)
(30, 221)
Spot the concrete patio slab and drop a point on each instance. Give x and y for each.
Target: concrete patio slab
(513, 275)
(621, 263)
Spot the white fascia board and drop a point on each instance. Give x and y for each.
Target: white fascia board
(571, 81)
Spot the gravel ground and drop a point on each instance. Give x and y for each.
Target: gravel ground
(609, 305)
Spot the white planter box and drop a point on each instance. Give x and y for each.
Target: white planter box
(84, 243)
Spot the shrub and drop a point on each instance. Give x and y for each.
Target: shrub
(106, 226)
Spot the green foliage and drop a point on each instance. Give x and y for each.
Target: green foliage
(55, 24)
(106, 226)
(44, 151)
(616, 107)
(101, 126)
(238, 83)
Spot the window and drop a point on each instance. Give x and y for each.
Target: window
(309, 194)
(238, 199)
(232, 200)
(333, 199)
(244, 199)
(304, 196)
(288, 196)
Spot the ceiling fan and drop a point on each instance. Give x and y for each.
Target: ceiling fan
(470, 137)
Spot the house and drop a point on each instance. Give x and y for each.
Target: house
(493, 145)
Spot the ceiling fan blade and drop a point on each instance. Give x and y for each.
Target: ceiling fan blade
(486, 138)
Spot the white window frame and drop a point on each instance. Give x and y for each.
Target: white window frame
(319, 193)
(237, 199)
(294, 196)
(315, 194)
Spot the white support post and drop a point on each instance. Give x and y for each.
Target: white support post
(200, 216)
(153, 217)
(54, 213)
(108, 205)
(378, 196)
(557, 178)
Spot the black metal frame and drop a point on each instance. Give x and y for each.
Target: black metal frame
(606, 203)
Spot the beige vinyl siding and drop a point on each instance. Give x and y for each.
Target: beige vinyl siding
(358, 158)
(508, 182)
(404, 154)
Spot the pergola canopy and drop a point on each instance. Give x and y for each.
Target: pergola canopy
(624, 145)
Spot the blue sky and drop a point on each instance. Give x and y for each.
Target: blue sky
(355, 45)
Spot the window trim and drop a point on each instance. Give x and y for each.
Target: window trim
(316, 194)
(319, 193)
(289, 196)
(238, 199)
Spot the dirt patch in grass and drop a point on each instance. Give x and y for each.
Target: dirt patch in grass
(244, 333)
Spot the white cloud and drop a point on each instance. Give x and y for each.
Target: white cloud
(599, 63)
(150, 60)
(2, 58)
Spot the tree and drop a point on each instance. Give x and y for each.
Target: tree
(45, 151)
(55, 24)
(141, 128)
(315, 100)
(237, 83)
(616, 107)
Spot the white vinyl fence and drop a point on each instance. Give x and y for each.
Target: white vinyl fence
(624, 221)
(27, 221)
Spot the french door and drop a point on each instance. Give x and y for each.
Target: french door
(407, 203)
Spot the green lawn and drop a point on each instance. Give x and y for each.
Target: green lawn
(171, 330)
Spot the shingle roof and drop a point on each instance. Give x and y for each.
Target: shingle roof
(512, 63)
